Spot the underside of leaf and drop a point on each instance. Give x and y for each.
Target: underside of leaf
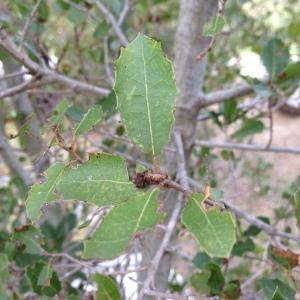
(214, 229)
(121, 224)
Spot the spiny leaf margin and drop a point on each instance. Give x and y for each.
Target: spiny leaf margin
(146, 106)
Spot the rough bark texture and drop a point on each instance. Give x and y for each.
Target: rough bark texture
(189, 77)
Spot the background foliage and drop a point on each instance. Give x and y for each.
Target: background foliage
(75, 223)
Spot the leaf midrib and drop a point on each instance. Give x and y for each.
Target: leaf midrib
(209, 223)
(147, 100)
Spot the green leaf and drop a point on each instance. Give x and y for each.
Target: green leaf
(93, 116)
(253, 230)
(242, 247)
(50, 287)
(214, 26)
(230, 110)
(101, 30)
(249, 127)
(75, 113)
(44, 192)
(4, 273)
(291, 72)
(107, 288)
(297, 206)
(146, 91)
(209, 281)
(121, 224)
(275, 57)
(232, 290)
(102, 180)
(202, 259)
(45, 275)
(199, 282)
(58, 113)
(43, 12)
(276, 289)
(108, 104)
(31, 238)
(294, 29)
(214, 229)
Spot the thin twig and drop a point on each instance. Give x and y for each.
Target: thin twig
(12, 75)
(162, 295)
(61, 143)
(221, 4)
(270, 115)
(246, 147)
(106, 61)
(18, 88)
(28, 22)
(111, 19)
(124, 12)
(77, 35)
(48, 75)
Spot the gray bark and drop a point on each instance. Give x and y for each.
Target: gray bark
(30, 138)
(189, 78)
(11, 160)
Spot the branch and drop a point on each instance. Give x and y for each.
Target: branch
(124, 12)
(172, 221)
(270, 230)
(51, 76)
(12, 160)
(28, 22)
(227, 94)
(17, 89)
(12, 75)
(106, 61)
(111, 19)
(161, 295)
(247, 147)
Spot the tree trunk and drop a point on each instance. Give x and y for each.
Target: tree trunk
(189, 78)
